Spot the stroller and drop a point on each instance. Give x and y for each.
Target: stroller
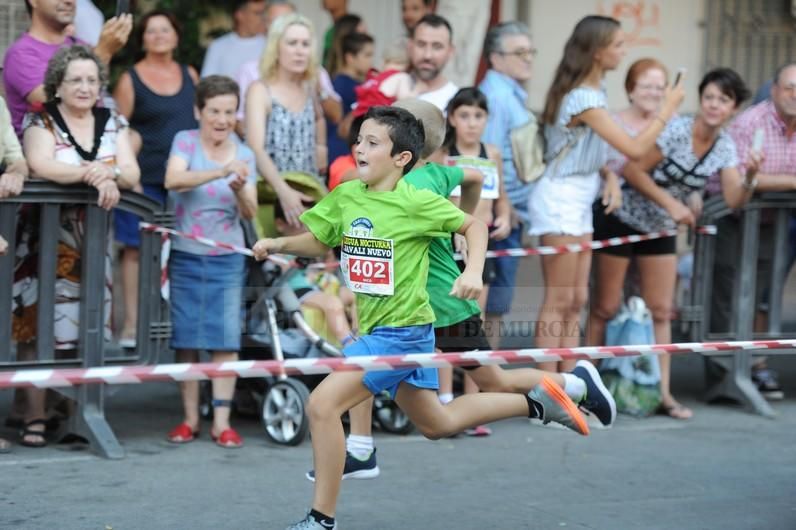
(275, 328)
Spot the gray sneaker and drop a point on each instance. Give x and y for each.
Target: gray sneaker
(310, 523)
(556, 406)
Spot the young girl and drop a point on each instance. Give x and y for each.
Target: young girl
(578, 131)
(467, 114)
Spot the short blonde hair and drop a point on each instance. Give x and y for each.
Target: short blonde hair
(269, 61)
(432, 119)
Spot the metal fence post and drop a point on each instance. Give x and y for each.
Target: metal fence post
(89, 419)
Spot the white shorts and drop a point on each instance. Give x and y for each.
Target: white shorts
(562, 205)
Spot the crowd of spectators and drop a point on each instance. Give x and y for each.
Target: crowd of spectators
(270, 114)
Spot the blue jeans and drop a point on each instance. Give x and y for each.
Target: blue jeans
(501, 290)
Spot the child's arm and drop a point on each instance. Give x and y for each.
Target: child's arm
(471, 189)
(502, 208)
(305, 245)
(469, 284)
(398, 86)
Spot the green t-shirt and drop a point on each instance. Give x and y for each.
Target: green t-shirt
(443, 270)
(384, 239)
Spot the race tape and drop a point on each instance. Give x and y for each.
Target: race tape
(512, 252)
(117, 375)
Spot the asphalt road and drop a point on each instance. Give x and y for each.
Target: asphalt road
(724, 469)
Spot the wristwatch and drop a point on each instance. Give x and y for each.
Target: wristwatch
(117, 172)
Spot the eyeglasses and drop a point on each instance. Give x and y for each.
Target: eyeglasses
(74, 82)
(646, 87)
(525, 55)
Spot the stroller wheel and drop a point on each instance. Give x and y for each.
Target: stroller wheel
(283, 413)
(206, 400)
(389, 417)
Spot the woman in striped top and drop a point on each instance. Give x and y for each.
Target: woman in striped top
(578, 131)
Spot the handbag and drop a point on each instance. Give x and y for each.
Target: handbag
(633, 381)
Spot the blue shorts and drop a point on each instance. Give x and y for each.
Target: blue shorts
(503, 286)
(205, 301)
(396, 341)
(126, 224)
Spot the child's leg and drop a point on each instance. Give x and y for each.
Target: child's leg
(333, 312)
(360, 418)
(435, 420)
(337, 393)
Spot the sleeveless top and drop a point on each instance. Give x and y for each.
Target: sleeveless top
(290, 137)
(158, 119)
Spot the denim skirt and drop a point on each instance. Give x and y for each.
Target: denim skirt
(206, 301)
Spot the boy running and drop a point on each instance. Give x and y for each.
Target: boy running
(458, 325)
(385, 226)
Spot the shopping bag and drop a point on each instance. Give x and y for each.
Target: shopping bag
(633, 381)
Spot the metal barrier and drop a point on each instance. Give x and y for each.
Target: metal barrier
(734, 379)
(153, 330)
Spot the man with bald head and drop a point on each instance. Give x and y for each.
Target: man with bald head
(776, 118)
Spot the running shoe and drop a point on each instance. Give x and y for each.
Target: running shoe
(310, 523)
(555, 405)
(355, 468)
(479, 430)
(598, 400)
(766, 382)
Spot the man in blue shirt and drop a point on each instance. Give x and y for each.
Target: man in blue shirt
(509, 53)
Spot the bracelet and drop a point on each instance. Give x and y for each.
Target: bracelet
(664, 122)
(749, 185)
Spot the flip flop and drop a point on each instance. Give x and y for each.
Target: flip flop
(27, 431)
(676, 411)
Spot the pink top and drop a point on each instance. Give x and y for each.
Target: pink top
(23, 70)
(779, 150)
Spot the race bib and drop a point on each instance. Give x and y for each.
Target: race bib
(491, 187)
(367, 265)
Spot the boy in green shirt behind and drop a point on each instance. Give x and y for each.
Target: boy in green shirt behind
(384, 227)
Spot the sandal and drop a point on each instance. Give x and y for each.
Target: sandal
(229, 439)
(182, 434)
(27, 431)
(676, 411)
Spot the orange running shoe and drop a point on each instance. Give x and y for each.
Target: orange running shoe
(555, 405)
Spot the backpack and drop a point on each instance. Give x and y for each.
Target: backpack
(527, 149)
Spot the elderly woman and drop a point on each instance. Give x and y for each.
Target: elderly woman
(13, 171)
(211, 181)
(284, 123)
(71, 141)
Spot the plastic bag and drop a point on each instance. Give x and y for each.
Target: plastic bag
(633, 381)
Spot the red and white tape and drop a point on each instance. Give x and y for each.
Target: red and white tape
(511, 252)
(247, 369)
(591, 245)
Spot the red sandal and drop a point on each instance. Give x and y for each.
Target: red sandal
(182, 434)
(229, 438)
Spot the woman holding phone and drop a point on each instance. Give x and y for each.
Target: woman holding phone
(687, 153)
(578, 132)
